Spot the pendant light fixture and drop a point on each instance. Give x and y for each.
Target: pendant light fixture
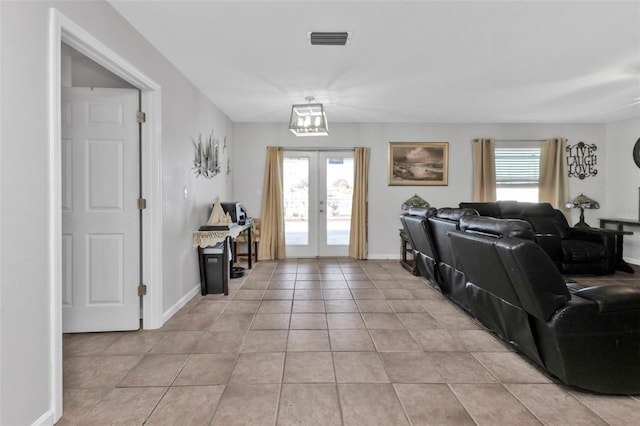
(308, 119)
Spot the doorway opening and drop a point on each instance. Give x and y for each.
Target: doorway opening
(101, 224)
(64, 30)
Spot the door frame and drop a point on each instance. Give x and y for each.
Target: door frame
(317, 165)
(62, 29)
(312, 212)
(323, 156)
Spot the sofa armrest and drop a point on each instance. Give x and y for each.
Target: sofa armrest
(594, 235)
(603, 237)
(551, 244)
(612, 298)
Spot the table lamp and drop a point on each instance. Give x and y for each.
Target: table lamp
(415, 201)
(582, 202)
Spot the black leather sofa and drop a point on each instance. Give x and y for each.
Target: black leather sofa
(416, 226)
(574, 251)
(586, 336)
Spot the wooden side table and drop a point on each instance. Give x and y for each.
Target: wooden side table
(407, 257)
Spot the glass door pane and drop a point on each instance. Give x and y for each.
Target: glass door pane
(299, 187)
(337, 189)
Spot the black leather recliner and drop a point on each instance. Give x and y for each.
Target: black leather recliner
(451, 279)
(492, 298)
(586, 336)
(416, 225)
(574, 251)
(427, 232)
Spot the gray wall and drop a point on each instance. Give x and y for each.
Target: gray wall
(623, 181)
(80, 71)
(384, 200)
(25, 329)
(24, 292)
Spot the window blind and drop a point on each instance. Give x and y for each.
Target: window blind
(517, 166)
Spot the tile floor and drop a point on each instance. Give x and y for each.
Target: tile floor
(321, 342)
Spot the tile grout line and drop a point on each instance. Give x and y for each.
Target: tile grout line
(457, 397)
(434, 303)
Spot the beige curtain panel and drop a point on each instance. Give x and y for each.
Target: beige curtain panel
(272, 212)
(484, 170)
(553, 186)
(358, 234)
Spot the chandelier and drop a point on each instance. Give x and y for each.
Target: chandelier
(308, 119)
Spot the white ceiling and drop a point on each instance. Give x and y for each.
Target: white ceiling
(408, 61)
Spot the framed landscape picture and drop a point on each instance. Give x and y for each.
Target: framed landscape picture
(418, 163)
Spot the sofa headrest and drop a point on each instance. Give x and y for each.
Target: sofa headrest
(422, 211)
(546, 220)
(538, 209)
(498, 227)
(510, 209)
(483, 208)
(454, 214)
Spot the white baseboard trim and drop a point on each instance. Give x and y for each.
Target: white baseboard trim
(180, 303)
(384, 256)
(632, 260)
(45, 420)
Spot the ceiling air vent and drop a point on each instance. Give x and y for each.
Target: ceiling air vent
(329, 38)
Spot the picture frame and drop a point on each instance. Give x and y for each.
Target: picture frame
(418, 163)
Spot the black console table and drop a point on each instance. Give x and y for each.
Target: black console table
(619, 233)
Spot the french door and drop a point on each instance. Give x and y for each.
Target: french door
(317, 192)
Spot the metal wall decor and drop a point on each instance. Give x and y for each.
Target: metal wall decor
(581, 160)
(207, 156)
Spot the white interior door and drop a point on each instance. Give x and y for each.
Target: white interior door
(100, 216)
(317, 188)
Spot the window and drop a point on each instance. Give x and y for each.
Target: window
(517, 170)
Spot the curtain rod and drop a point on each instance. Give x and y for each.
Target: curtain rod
(301, 148)
(520, 140)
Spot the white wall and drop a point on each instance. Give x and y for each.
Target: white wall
(24, 294)
(183, 216)
(623, 181)
(384, 201)
(80, 71)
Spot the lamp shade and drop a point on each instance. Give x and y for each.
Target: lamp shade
(415, 201)
(582, 201)
(308, 120)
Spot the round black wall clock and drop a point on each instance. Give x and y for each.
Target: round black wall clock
(636, 152)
